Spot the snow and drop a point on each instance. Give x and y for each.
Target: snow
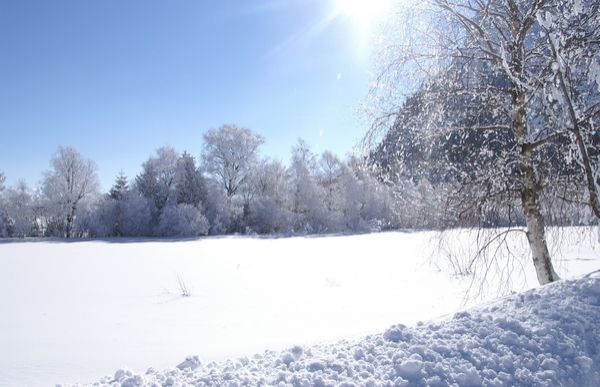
(77, 311)
(544, 337)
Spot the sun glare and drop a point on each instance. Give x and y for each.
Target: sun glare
(363, 12)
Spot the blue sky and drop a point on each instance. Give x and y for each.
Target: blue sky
(117, 79)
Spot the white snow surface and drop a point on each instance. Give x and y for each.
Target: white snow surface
(71, 312)
(542, 337)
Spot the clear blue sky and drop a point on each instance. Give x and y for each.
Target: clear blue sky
(117, 79)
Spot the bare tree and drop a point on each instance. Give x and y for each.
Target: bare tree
(229, 153)
(480, 72)
(70, 179)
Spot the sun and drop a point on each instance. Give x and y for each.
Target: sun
(363, 13)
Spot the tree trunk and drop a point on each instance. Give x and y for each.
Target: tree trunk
(530, 192)
(69, 226)
(536, 234)
(70, 218)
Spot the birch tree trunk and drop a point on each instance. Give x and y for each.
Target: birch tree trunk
(529, 185)
(536, 229)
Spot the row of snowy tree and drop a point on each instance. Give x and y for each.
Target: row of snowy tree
(229, 190)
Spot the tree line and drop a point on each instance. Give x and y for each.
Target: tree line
(485, 114)
(230, 189)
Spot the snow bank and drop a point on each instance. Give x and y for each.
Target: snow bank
(547, 336)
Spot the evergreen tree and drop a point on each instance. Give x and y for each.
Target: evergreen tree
(191, 187)
(120, 187)
(118, 195)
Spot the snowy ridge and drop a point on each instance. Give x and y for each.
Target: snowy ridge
(547, 336)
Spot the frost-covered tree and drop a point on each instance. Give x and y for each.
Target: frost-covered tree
(138, 212)
(229, 154)
(219, 210)
(70, 179)
(99, 219)
(331, 177)
(310, 215)
(167, 180)
(111, 211)
(19, 210)
(572, 86)
(479, 76)
(129, 215)
(106, 217)
(367, 204)
(182, 220)
(3, 215)
(157, 181)
(269, 209)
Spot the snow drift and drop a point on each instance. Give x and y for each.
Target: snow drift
(546, 336)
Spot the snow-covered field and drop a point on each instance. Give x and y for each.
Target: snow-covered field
(77, 311)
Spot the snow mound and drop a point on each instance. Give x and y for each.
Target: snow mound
(546, 337)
